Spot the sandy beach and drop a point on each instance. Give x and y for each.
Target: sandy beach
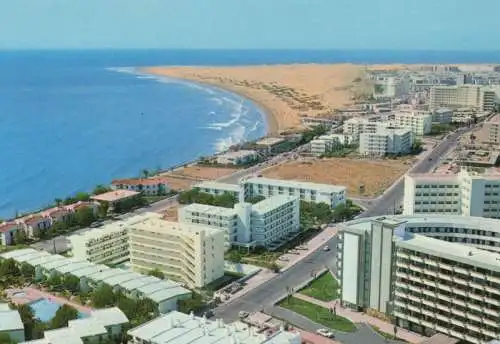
(284, 92)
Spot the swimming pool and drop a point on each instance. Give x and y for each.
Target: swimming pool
(45, 309)
(19, 294)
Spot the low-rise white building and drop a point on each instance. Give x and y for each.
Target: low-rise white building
(148, 186)
(357, 125)
(164, 293)
(420, 123)
(266, 223)
(11, 324)
(386, 141)
(332, 195)
(327, 143)
(442, 116)
(180, 328)
(188, 253)
(215, 188)
(103, 324)
(466, 193)
(240, 157)
(108, 244)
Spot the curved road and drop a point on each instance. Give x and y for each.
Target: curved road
(266, 294)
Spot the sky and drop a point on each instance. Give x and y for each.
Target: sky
(251, 24)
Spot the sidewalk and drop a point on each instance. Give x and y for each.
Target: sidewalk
(357, 317)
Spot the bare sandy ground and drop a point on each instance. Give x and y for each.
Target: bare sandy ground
(185, 177)
(375, 175)
(283, 91)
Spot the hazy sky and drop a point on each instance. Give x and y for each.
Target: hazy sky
(312, 24)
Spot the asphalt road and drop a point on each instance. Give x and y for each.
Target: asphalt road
(269, 292)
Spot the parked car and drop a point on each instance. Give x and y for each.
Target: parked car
(326, 248)
(243, 314)
(325, 333)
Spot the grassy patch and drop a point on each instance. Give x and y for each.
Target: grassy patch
(318, 314)
(323, 288)
(389, 336)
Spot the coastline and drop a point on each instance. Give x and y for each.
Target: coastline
(269, 114)
(284, 92)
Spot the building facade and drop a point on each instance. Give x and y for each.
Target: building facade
(432, 274)
(332, 195)
(265, 224)
(184, 252)
(327, 143)
(108, 244)
(148, 186)
(240, 157)
(215, 188)
(386, 141)
(420, 123)
(466, 193)
(475, 96)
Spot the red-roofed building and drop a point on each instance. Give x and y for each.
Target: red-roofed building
(7, 232)
(148, 186)
(32, 224)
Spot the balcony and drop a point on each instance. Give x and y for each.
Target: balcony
(400, 254)
(473, 317)
(416, 259)
(493, 279)
(477, 275)
(491, 312)
(445, 266)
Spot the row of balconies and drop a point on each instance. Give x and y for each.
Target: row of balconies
(466, 326)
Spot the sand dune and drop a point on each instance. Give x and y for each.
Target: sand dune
(283, 91)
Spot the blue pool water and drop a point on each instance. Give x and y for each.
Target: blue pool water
(45, 309)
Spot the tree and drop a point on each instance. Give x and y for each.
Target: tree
(58, 202)
(27, 271)
(145, 173)
(20, 237)
(71, 283)
(64, 314)
(9, 269)
(33, 328)
(157, 273)
(84, 216)
(255, 199)
(103, 208)
(103, 296)
(195, 303)
(100, 189)
(5, 339)
(342, 212)
(55, 282)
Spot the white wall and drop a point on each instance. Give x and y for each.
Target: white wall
(350, 268)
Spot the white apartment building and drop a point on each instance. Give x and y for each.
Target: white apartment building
(225, 219)
(420, 123)
(267, 223)
(148, 186)
(181, 328)
(466, 193)
(386, 141)
(357, 125)
(390, 86)
(108, 244)
(326, 143)
(215, 188)
(332, 195)
(492, 128)
(188, 253)
(478, 97)
(432, 273)
(442, 115)
(240, 157)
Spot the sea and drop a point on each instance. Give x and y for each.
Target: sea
(70, 120)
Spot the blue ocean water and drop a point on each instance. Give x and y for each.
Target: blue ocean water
(72, 119)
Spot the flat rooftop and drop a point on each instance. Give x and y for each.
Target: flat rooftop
(273, 202)
(218, 186)
(174, 228)
(10, 320)
(270, 141)
(328, 188)
(114, 196)
(209, 209)
(180, 328)
(237, 154)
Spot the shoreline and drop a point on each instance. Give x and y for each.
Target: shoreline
(268, 114)
(285, 92)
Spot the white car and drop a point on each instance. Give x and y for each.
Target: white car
(326, 248)
(243, 314)
(325, 333)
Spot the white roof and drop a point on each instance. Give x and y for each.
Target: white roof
(237, 154)
(109, 316)
(297, 184)
(209, 209)
(10, 320)
(218, 186)
(272, 203)
(180, 328)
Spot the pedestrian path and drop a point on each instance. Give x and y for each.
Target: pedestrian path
(358, 317)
